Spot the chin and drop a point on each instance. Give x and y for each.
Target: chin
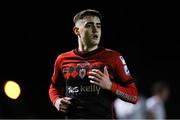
(95, 43)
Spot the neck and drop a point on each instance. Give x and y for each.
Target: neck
(86, 48)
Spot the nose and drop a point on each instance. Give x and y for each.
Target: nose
(94, 29)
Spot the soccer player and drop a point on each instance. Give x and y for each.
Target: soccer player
(86, 80)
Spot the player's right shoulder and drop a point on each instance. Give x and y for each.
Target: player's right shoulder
(65, 54)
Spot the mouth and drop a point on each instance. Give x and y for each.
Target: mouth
(95, 36)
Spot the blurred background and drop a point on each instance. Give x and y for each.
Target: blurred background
(31, 39)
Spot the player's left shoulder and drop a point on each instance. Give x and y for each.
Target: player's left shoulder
(115, 55)
(112, 52)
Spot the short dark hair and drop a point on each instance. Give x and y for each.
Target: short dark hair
(159, 86)
(86, 12)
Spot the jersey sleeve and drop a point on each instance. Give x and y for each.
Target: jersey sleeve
(127, 91)
(56, 89)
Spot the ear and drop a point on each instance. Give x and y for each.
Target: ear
(76, 30)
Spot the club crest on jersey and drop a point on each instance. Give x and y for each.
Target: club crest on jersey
(82, 73)
(126, 70)
(122, 59)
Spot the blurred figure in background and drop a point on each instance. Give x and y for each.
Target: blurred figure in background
(125, 110)
(155, 104)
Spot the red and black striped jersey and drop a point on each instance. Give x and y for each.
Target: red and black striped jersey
(70, 78)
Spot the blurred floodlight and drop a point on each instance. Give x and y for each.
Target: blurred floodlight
(12, 89)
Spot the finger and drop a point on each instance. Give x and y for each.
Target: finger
(95, 74)
(98, 71)
(94, 82)
(63, 110)
(106, 71)
(64, 101)
(94, 78)
(64, 107)
(67, 98)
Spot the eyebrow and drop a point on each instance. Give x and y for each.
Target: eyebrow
(93, 23)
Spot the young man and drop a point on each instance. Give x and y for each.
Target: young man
(87, 79)
(155, 104)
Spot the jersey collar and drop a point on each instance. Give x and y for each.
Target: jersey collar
(87, 54)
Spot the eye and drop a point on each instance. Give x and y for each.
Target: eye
(98, 26)
(88, 25)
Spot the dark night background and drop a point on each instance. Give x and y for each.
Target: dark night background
(31, 39)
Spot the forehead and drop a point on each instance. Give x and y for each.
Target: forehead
(87, 19)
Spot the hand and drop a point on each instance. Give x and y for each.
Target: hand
(62, 104)
(100, 79)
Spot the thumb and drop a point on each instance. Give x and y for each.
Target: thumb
(106, 71)
(67, 98)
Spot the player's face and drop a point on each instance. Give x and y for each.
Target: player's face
(89, 30)
(165, 94)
